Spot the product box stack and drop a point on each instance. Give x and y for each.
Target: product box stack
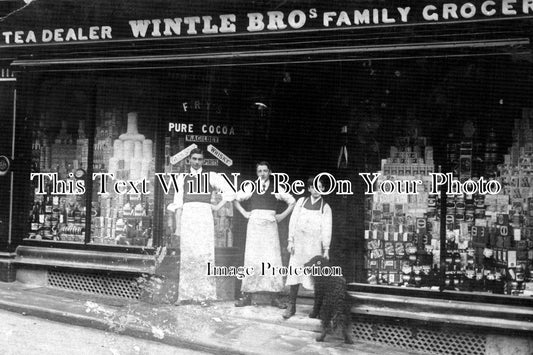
(126, 218)
(402, 230)
(487, 248)
(410, 158)
(522, 138)
(478, 235)
(132, 154)
(512, 239)
(82, 148)
(103, 141)
(63, 151)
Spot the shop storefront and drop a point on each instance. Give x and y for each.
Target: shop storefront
(404, 90)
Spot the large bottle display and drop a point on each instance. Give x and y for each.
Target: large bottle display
(58, 216)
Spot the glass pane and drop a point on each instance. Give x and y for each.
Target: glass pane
(200, 114)
(125, 147)
(479, 135)
(59, 147)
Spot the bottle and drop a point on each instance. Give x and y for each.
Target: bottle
(449, 260)
(229, 239)
(70, 214)
(96, 212)
(62, 171)
(491, 154)
(480, 284)
(76, 214)
(35, 217)
(146, 209)
(62, 213)
(457, 258)
(82, 214)
(42, 214)
(48, 205)
(447, 282)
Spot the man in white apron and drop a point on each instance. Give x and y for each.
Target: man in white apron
(195, 227)
(309, 235)
(262, 239)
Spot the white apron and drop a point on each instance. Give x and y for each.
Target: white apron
(262, 246)
(197, 246)
(307, 243)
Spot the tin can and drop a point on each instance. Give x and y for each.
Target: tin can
(432, 202)
(479, 201)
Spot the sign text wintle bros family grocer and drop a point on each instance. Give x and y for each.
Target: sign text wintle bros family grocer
(174, 25)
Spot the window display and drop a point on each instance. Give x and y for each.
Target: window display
(125, 146)
(488, 246)
(123, 214)
(59, 149)
(402, 233)
(120, 214)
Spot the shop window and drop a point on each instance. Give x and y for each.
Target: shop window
(124, 145)
(60, 149)
(202, 112)
(485, 159)
(406, 120)
(119, 115)
(402, 229)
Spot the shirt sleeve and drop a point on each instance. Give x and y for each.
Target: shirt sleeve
(242, 196)
(220, 184)
(326, 227)
(294, 219)
(178, 195)
(285, 196)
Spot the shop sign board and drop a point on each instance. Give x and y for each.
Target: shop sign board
(204, 128)
(220, 156)
(201, 139)
(169, 21)
(182, 154)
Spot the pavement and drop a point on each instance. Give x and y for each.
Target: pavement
(53, 338)
(219, 329)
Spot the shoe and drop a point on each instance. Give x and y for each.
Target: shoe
(244, 301)
(290, 311)
(277, 303)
